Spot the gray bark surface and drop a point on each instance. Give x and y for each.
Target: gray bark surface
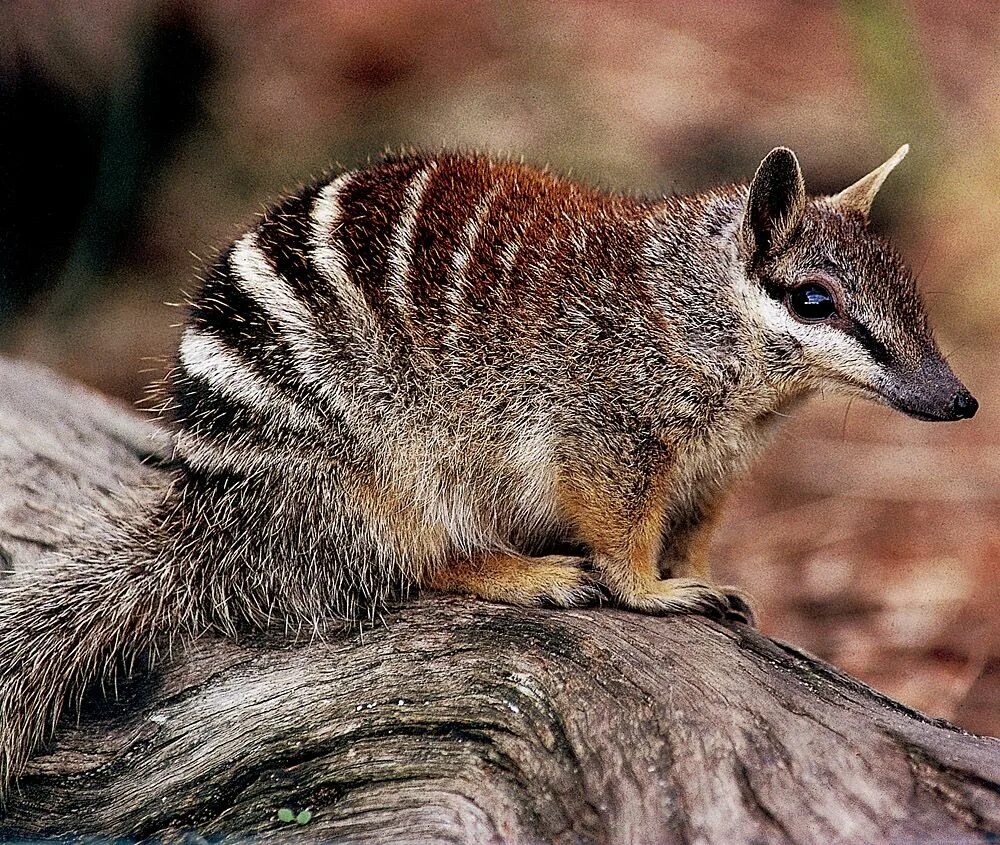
(461, 721)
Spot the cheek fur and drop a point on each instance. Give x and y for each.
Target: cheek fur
(836, 355)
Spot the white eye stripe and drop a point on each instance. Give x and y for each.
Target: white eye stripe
(824, 345)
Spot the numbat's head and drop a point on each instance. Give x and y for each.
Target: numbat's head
(834, 302)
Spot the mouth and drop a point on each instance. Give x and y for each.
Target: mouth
(923, 416)
(957, 404)
(961, 406)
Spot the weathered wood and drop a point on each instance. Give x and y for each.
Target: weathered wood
(460, 721)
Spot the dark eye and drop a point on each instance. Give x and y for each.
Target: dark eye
(812, 303)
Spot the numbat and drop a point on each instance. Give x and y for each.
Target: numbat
(462, 374)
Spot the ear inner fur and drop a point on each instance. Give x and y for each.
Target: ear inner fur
(775, 204)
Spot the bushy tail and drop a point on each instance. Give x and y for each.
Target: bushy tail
(77, 621)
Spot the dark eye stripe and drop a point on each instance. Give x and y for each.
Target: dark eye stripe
(862, 334)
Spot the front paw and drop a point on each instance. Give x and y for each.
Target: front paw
(689, 595)
(562, 581)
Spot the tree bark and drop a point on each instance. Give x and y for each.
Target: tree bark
(461, 721)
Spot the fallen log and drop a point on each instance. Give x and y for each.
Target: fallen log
(458, 720)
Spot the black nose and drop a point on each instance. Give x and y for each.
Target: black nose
(964, 405)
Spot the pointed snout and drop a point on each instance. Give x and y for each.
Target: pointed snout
(933, 393)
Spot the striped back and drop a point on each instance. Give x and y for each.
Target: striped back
(348, 297)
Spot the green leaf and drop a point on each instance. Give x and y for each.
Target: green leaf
(285, 815)
(303, 817)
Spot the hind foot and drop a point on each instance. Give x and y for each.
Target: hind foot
(552, 580)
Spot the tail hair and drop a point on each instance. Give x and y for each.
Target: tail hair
(78, 620)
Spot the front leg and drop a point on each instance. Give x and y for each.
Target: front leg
(553, 580)
(684, 548)
(642, 569)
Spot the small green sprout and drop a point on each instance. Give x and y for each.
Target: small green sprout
(287, 816)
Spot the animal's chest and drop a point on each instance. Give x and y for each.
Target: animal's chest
(705, 465)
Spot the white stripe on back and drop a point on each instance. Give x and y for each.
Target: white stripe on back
(401, 252)
(460, 260)
(292, 317)
(229, 453)
(329, 258)
(207, 357)
(268, 289)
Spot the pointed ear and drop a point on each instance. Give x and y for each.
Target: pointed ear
(860, 196)
(775, 206)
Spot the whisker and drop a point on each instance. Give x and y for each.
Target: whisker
(954, 349)
(843, 425)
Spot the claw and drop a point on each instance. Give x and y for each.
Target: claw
(688, 595)
(740, 608)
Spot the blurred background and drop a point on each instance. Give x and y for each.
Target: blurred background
(140, 136)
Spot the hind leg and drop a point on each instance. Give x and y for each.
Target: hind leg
(558, 580)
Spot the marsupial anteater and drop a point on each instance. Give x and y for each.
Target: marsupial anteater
(447, 371)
